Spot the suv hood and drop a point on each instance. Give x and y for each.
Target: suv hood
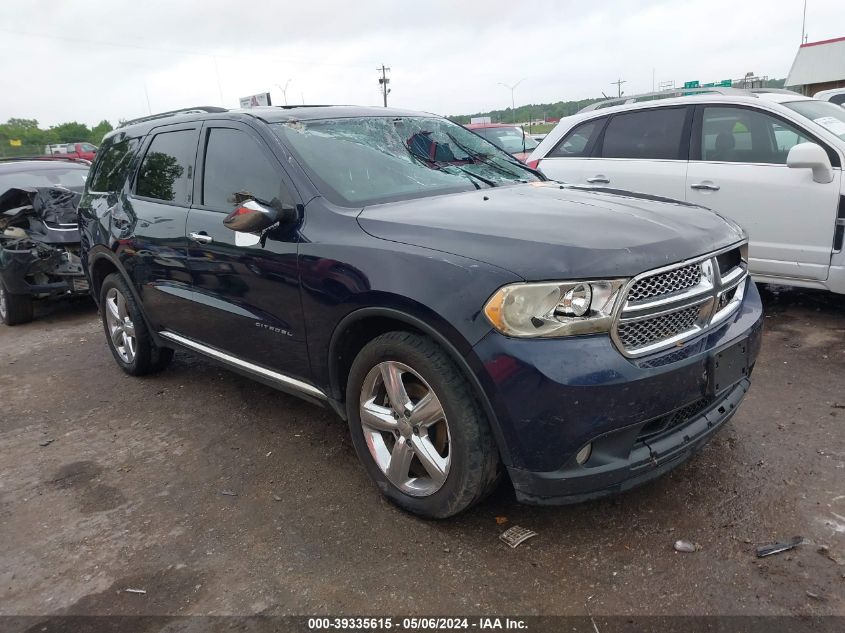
(550, 231)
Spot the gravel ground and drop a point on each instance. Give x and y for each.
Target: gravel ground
(217, 495)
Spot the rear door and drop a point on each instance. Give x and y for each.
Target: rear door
(246, 293)
(738, 168)
(150, 226)
(643, 150)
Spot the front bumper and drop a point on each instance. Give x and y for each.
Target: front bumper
(643, 416)
(60, 272)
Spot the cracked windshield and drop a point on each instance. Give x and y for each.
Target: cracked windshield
(368, 160)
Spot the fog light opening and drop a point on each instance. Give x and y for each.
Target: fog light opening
(584, 454)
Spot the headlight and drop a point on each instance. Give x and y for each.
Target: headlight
(554, 309)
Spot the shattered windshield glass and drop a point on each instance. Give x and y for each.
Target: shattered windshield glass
(367, 160)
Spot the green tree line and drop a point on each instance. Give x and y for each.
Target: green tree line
(33, 139)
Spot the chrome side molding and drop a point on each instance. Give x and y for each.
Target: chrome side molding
(282, 379)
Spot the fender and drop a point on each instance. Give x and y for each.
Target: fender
(444, 342)
(100, 252)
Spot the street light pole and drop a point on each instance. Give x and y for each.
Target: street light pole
(513, 103)
(284, 90)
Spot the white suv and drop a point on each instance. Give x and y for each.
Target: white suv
(770, 160)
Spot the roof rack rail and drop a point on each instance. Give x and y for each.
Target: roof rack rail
(53, 157)
(669, 94)
(780, 91)
(164, 115)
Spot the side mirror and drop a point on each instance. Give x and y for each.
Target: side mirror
(811, 156)
(253, 217)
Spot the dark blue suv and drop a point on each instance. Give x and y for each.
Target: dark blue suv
(468, 317)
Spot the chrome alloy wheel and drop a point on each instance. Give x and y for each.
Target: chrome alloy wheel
(3, 306)
(405, 429)
(121, 328)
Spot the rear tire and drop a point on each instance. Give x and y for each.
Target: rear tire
(127, 335)
(14, 309)
(424, 439)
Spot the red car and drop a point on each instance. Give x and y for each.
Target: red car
(507, 136)
(85, 151)
(81, 150)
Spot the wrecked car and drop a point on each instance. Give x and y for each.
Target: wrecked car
(39, 237)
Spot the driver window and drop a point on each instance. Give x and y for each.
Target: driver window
(235, 164)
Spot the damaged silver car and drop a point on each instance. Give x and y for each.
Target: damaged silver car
(39, 235)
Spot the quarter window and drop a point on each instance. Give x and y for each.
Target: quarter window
(576, 143)
(742, 135)
(653, 134)
(113, 166)
(166, 169)
(236, 167)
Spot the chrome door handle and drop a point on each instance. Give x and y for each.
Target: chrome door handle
(704, 186)
(598, 179)
(202, 238)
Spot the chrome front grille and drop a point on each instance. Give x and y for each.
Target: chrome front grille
(665, 283)
(665, 307)
(634, 334)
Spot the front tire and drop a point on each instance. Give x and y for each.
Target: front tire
(14, 309)
(417, 429)
(126, 331)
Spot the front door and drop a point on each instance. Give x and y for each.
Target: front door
(246, 292)
(738, 168)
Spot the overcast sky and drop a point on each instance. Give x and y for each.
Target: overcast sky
(88, 60)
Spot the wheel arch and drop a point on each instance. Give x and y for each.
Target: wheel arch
(101, 263)
(357, 328)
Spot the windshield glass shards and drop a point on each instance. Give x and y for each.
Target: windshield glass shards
(367, 160)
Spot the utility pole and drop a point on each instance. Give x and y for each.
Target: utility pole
(804, 24)
(383, 81)
(512, 88)
(618, 83)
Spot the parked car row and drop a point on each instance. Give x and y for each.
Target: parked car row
(769, 160)
(85, 151)
(469, 318)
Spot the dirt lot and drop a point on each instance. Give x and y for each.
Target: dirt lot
(217, 495)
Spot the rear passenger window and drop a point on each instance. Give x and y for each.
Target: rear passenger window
(654, 134)
(576, 143)
(235, 167)
(166, 168)
(113, 166)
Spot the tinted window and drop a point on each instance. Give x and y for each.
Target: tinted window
(576, 143)
(113, 166)
(838, 99)
(234, 163)
(165, 171)
(654, 134)
(741, 135)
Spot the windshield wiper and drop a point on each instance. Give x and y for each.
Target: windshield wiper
(478, 156)
(440, 165)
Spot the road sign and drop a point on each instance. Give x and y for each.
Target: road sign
(691, 84)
